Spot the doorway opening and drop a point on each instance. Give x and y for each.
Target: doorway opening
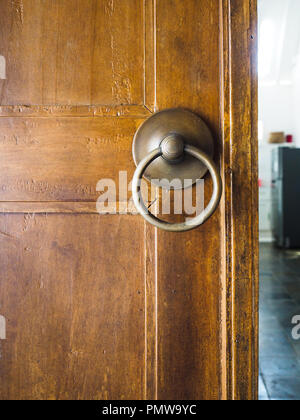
(279, 198)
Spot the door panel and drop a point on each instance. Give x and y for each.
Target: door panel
(71, 300)
(102, 306)
(189, 312)
(73, 52)
(62, 158)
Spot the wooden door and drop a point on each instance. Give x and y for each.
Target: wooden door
(97, 306)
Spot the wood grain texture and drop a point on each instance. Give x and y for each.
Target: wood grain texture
(189, 266)
(86, 44)
(105, 306)
(67, 207)
(48, 159)
(241, 197)
(70, 306)
(131, 111)
(151, 353)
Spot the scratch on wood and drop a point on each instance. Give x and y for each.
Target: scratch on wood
(18, 140)
(137, 111)
(152, 203)
(2, 68)
(121, 86)
(116, 143)
(2, 328)
(29, 220)
(7, 235)
(42, 187)
(19, 8)
(109, 8)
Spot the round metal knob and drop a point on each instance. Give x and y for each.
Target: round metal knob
(172, 147)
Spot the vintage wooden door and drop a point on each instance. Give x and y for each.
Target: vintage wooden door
(105, 306)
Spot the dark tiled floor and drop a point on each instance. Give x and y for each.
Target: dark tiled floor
(279, 303)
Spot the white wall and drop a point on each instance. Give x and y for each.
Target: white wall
(276, 109)
(276, 114)
(279, 88)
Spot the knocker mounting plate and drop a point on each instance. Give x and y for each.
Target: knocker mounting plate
(179, 122)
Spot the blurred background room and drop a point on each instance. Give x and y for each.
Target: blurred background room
(279, 198)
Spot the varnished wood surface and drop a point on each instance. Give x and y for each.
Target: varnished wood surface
(48, 159)
(73, 52)
(104, 306)
(70, 305)
(189, 266)
(75, 111)
(241, 195)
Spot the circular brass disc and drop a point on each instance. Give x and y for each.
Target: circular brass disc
(153, 131)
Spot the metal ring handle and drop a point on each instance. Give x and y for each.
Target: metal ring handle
(189, 224)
